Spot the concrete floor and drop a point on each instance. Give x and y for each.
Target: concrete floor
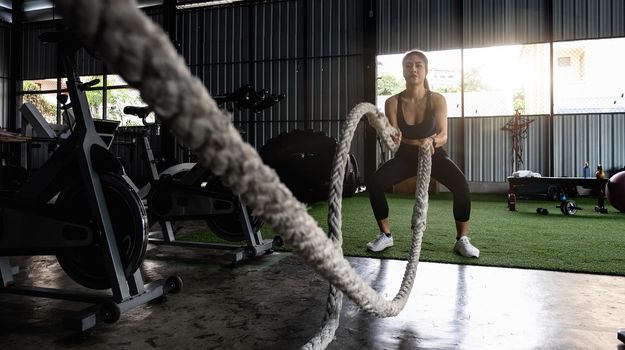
(276, 302)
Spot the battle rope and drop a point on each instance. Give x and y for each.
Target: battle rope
(384, 130)
(139, 51)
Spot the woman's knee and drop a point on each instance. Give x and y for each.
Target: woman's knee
(461, 191)
(458, 184)
(464, 187)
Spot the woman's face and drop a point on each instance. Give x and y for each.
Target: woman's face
(414, 70)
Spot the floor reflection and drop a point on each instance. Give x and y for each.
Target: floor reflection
(470, 307)
(278, 302)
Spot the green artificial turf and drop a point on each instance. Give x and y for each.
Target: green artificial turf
(585, 242)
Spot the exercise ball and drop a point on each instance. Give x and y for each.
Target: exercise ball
(615, 191)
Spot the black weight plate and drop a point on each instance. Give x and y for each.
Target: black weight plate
(128, 217)
(228, 226)
(161, 197)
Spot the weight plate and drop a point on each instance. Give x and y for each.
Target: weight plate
(571, 207)
(228, 226)
(160, 197)
(128, 217)
(568, 207)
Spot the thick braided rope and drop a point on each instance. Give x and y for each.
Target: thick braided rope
(142, 54)
(384, 131)
(381, 124)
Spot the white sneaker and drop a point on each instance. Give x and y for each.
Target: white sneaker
(380, 243)
(465, 248)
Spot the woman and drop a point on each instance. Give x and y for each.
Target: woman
(421, 117)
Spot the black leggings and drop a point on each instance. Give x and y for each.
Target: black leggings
(404, 166)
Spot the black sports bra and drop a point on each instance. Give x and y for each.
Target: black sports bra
(426, 128)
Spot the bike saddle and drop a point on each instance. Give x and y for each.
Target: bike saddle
(141, 112)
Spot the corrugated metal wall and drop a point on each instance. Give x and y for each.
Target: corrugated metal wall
(436, 25)
(432, 25)
(505, 22)
(228, 47)
(588, 19)
(424, 24)
(489, 156)
(40, 61)
(596, 138)
(5, 60)
(311, 51)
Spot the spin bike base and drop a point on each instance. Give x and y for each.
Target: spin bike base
(256, 244)
(233, 253)
(103, 309)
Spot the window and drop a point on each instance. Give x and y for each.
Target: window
(119, 95)
(95, 95)
(501, 80)
(498, 81)
(43, 94)
(389, 80)
(588, 76)
(444, 73)
(564, 61)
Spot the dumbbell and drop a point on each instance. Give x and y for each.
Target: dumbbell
(542, 211)
(568, 207)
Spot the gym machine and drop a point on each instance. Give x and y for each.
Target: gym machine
(188, 191)
(79, 207)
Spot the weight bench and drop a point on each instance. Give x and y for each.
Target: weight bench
(585, 182)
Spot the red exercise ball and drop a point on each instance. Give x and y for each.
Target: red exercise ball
(615, 191)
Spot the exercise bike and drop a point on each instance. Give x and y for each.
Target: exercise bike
(79, 207)
(188, 191)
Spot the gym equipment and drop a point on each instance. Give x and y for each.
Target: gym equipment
(247, 98)
(39, 130)
(511, 202)
(542, 211)
(188, 191)
(303, 160)
(615, 191)
(35, 125)
(568, 207)
(78, 207)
